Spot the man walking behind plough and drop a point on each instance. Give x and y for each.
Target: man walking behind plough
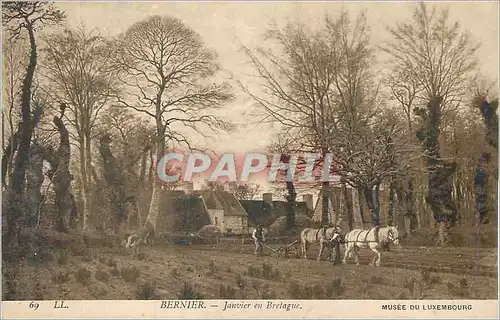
(259, 239)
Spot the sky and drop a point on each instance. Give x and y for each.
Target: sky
(224, 26)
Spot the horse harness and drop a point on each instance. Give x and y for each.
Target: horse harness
(366, 236)
(390, 235)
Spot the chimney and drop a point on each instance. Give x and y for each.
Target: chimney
(188, 187)
(232, 187)
(308, 199)
(267, 197)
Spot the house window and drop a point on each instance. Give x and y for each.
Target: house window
(216, 222)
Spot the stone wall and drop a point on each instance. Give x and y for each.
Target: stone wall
(237, 224)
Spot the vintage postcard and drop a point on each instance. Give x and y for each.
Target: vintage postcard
(249, 159)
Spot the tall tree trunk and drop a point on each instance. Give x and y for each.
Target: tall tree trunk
(360, 194)
(480, 187)
(402, 208)
(15, 208)
(116, 182)
(151, 163)
(61, 178)
(371, 198)
(356, 209)
(3, 130)
(83, 178)
(290, 216)
(439, 173)
(34, 180)
(142, 173)
(410, 206)
(87, 189)
(325, 199)
(155, 204)
(391, 219)
(8, 155)
(348, 204)
(291, 197)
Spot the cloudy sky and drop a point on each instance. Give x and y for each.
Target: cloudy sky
(225, 25)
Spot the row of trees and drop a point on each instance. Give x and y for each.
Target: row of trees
(391, 125)
(127, 100)
(123, 101)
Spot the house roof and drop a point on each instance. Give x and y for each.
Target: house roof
(222, 200)
(189, 211)
(262, 212)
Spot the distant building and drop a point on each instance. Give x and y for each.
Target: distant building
(225, 211)
(266, 211)
(188, 210)
(183, 212)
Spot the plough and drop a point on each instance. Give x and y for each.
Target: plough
(283, 250)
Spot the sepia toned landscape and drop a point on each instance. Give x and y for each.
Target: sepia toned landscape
(397, 101)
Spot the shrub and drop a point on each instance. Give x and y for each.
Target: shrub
(130, 274)
(62, 257)
(146, 290)
(114, 271)
(101, 275)
(189, 292)
(226, 292)
(60, 277)
(82, 275)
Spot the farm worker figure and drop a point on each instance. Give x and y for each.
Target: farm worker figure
(259, 238)
(335, 241)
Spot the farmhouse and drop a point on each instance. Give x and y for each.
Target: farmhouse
(182, 212)
(225, 211)
(189, 210)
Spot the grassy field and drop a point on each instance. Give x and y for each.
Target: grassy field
(230, 271)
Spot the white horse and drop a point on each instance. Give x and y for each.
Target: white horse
(325, 236)
(370, 239)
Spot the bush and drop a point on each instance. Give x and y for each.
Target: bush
(226, 292)
(62, 257)
(130, 274)
(114, 272)
(83, 275)
(101, 275)
(111, 262)
(316, 291)
(189, 292)
(146, 290)
(377, 280)
(60, 277)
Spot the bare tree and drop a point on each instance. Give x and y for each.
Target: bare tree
(439, 59)
(247, 191)
(19, 17)
(214, 186)
(320, 88)
(167, 74)
(404, 90)
(14, 65)
(486, 165)
(296, 83)
(77, 65)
